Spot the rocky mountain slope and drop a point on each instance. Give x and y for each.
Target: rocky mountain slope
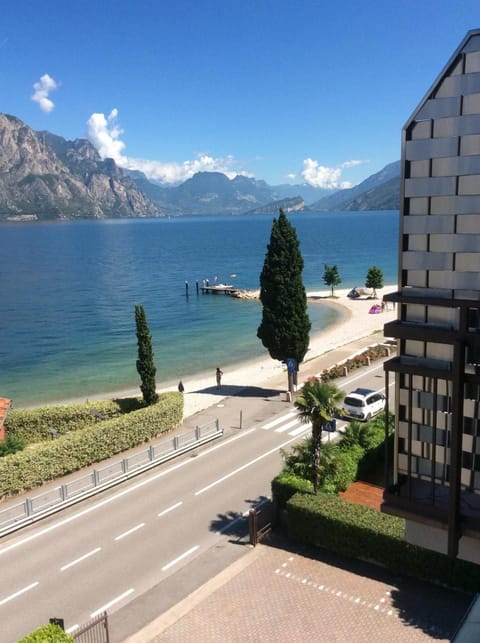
(43, 176)
(380, 191)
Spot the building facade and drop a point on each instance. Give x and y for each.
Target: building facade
(433, 470)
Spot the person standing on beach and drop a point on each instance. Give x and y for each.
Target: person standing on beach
(218, 375)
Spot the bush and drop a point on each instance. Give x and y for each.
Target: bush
(76, 449)
(11, 444)
(361, 532)
(35, 425)
(338, 467)
(369, 355)
(47, 634)
(285, 485)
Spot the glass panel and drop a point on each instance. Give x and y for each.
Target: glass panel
(469, 184)
(471, 104)
(455, 165)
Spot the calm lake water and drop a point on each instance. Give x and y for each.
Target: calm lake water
(69, 289)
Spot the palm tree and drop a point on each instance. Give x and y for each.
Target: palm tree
(317, 404)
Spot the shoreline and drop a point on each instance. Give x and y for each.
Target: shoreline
(356, 323)
(200, 390)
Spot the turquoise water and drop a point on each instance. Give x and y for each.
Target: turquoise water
(69, 289)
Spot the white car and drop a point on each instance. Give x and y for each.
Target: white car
(363, 404)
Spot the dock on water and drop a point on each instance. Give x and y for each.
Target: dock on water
(226, 289)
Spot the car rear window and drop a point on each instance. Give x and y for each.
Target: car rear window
(354, 401)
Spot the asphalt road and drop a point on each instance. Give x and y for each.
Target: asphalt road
(142, 546)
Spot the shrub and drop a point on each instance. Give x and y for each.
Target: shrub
(35, 425)
(299, 459)
(11, 444)
(369, 355)
(76, 449)
(286, 484)
(361, 532)
(338, 467)
(47, 634)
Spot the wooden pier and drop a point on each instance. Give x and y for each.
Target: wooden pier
(221, 288)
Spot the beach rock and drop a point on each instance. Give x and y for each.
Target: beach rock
(246, 294)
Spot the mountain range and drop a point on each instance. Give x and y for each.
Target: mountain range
(44, 176)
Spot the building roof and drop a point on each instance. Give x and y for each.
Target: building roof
(471, 42)
(4, 406)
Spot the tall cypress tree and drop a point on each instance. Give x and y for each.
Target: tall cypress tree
(145, 364)
(285, 325)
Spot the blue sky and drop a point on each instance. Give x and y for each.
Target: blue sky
(312, 91)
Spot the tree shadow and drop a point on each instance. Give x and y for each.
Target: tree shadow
(433, 609)
(234, 524)
(231, 390)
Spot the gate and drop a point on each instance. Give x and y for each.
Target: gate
(260, 521)
(95, 631)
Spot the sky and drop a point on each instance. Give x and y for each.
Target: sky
(306, 91)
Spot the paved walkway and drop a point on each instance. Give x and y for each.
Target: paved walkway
(283, 594)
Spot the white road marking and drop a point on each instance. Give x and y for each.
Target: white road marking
(105, 607)
(282, 418)
(79, 560)
(301, 429)
(130, 531)
(166, 511)
(244, 466)
(287, 426)
(20, 591)
(120, 494)
(179, 558)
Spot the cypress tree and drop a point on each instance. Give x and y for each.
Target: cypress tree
(285, 326)
(145, 364)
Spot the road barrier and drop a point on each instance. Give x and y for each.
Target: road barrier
(33, 508)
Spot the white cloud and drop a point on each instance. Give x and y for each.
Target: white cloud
(328, 178)
(104, 134)
(320, 176)
(42, 88)
(352, 163)
(291, 176)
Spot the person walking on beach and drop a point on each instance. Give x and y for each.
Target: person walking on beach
(218, 375)
(181, 388)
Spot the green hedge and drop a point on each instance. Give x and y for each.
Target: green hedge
(360, 532)
(47, 634)
(286, 484)
(48, 460)
(34, 425)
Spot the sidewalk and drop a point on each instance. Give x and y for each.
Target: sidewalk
(280, 593)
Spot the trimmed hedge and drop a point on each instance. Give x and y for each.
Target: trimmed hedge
(287, 484)
(360, 532)
(47, 634)
(35, 425)
(76, 449)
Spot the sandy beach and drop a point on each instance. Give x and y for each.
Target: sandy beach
(200, 392)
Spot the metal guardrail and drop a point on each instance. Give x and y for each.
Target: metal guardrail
(36, 507)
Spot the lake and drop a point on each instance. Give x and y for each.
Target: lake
(69, 290)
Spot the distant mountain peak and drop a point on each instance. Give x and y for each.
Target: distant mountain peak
(44, 176)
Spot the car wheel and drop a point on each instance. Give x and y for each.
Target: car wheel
(368, 417)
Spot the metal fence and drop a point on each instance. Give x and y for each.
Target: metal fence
(36, 507)
(95, 631)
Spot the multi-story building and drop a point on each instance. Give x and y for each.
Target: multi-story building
(433, 471)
